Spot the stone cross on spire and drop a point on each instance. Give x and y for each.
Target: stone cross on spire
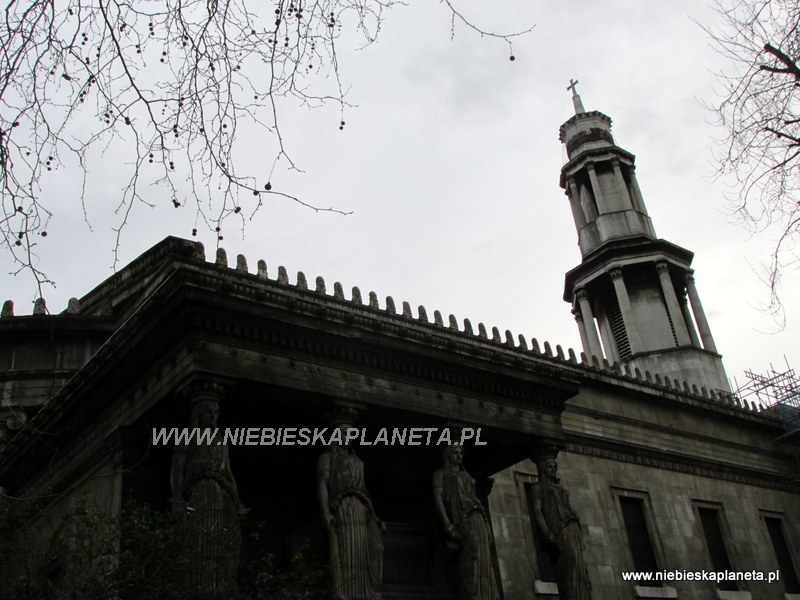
(576, 99)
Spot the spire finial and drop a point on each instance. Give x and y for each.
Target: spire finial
(576, 99)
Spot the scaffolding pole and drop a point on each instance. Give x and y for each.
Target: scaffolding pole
(778, 391)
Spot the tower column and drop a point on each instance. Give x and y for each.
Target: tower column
(636, 196)
(699, 313)
(623, 188)
(687, 316)
(592, 347)
(673, 307)
(589, 207)
(598, 195)
(625, 308)
(581, 329)
(575, 205)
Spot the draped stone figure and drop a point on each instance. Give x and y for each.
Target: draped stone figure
(202, 482)
(560, 526)
(355, 532)
(465, 520)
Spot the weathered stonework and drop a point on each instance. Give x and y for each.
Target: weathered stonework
(651, 426)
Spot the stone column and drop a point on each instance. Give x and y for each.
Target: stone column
(589, 207)
(699, 313)
(673, 307)
(687, 316)
(558, 524)
(593, 346)
(355, 533)
(581, 328)
(638, 200)
(202, 480)
(200, 390)
(575, 205)
(625, 308)
(598, 195)
(623, 188)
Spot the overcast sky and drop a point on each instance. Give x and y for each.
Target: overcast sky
(450, 165)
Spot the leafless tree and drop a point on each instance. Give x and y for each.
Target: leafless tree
(759, 112)
(175, 83)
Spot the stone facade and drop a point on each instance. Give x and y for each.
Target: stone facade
(676, 459)
(664, 467)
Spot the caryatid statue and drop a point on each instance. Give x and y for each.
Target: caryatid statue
(202, 481)
(466, 522)
(560, 526)
(355, 532)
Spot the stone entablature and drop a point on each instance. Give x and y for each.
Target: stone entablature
(354, 313)
(495, 379)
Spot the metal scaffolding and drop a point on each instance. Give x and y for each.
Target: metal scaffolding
(776, 390)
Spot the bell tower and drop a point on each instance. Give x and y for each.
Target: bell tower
(630, 292)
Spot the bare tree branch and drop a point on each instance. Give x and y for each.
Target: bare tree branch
(790, 65)
(172, 86)
(758, 111)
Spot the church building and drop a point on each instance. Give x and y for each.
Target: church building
(670, 476)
